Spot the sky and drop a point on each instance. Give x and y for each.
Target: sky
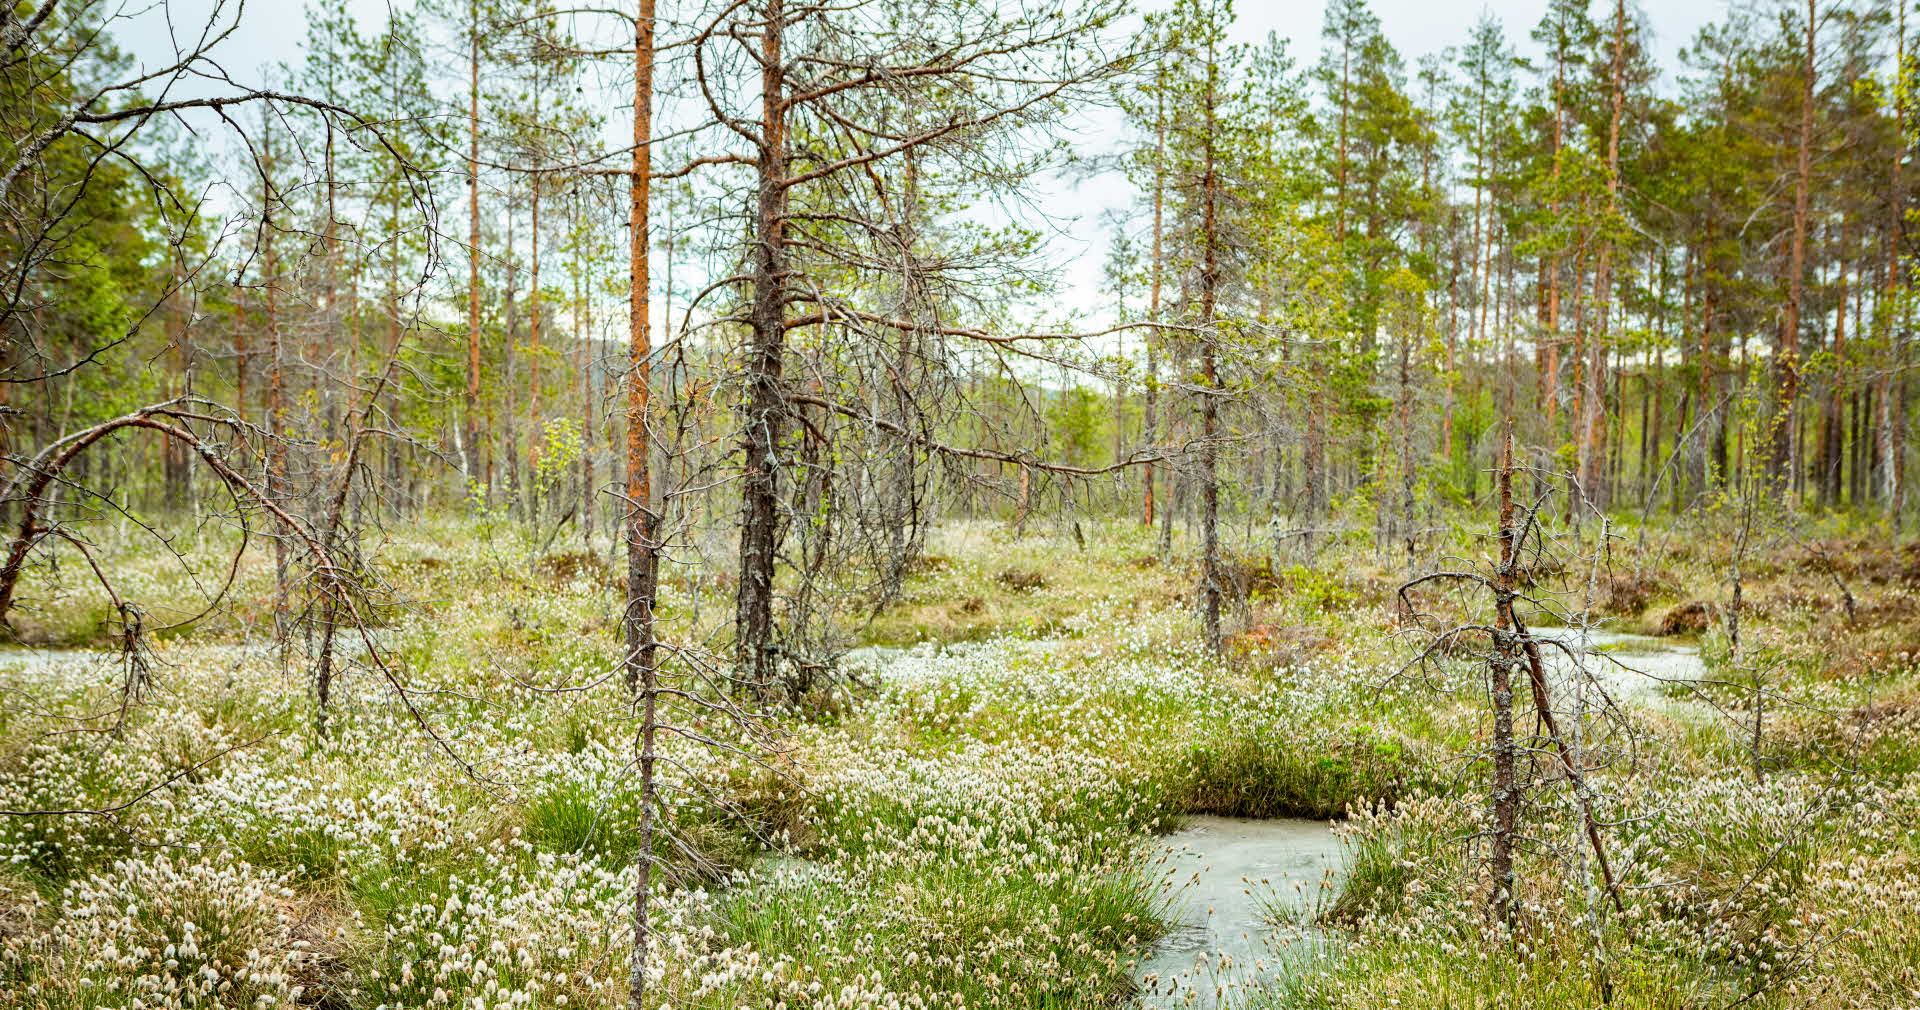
(271, 31)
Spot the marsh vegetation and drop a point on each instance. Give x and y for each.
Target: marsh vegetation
(1013, 803)
(632, 505)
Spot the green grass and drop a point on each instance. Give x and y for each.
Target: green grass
(985, 936)
(1268, 775)
(573, 819)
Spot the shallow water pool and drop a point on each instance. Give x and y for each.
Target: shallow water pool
(1224, 876)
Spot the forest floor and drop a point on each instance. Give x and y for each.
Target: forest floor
(981, 818)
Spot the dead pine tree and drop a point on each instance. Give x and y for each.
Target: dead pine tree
(112, 113)
(835, 125)
(1500, 667)
(1212, 574)
(1511, 651)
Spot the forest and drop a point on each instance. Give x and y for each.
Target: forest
(913, 504)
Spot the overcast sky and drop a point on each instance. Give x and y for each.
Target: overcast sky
(271, 32)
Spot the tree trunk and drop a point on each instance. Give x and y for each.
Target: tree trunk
(1552, 363)
(1786, 365)
(583, 366)
(177, 470)
(1833, 439)
(1150, 421)
(1212, 578)
(1889, 392)
(473, 246)
(507, 427)
(1449, 384)
(1594, 424)
(642, 519)
(276, 449)
(1505, 795)
(1407, 474)
(766, 409)
(534, 430)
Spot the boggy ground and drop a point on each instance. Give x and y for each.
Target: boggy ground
(971, 827)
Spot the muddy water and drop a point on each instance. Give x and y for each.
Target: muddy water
(28, 661)
(1630, 667)
(1223, 876)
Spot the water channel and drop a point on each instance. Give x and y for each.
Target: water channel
(1227, 881)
